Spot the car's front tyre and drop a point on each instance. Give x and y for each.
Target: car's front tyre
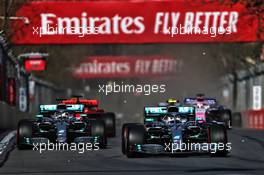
(98, 130)
(217, 135)
(24, 130)
(132, 134)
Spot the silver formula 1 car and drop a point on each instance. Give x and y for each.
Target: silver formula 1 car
(61, 124)
(173, 130)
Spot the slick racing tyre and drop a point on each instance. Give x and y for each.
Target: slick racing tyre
(124, 135)
(226, 117)
(132, 134)
(217, 135)
(98, 129)
(24, 130)
(109, 119)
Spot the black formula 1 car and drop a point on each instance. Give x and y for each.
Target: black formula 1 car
(171, 132)
(214, 111)
(61, 124)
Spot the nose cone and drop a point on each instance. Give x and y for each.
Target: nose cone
(61, 132)
(61, 136)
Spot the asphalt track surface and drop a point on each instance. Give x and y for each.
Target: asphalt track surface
(247, 157)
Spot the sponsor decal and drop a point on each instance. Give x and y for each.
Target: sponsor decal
(35, 64)
(127, 66)
(129, 22)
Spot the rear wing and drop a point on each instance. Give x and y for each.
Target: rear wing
(152, 111)
(155, 111)
(193, 101)
(181, 109)
(47, 108)
(186, 110)
(66, 107)
(89, 103)
(75, 107)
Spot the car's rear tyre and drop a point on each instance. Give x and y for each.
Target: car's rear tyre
(132, 134)
(110, 119)
(24, 130)
(226, 117)
(98, 129)
(217, 135)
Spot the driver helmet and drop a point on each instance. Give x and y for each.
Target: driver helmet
(172, 101)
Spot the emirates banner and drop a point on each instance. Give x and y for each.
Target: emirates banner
(127, 67)
(179, 21)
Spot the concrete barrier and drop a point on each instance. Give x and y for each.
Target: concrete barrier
(9, 116)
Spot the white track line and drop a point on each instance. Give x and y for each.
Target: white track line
(6, 140)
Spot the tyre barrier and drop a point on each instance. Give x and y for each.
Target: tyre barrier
(254, 119)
